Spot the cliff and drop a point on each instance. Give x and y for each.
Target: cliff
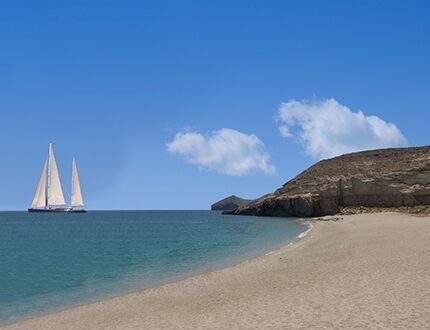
(377, 179)
(230, 203)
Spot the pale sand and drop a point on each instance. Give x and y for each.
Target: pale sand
(366, 271)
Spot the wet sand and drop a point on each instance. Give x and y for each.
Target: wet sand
(365, 271)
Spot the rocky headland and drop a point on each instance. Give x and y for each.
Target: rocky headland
(230, 203)
(353, 183)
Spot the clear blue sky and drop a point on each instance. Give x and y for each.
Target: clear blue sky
(112, 82)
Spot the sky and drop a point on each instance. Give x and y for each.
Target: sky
(177, 104)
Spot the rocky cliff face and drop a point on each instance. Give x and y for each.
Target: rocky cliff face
(230, 203)
(378, 178)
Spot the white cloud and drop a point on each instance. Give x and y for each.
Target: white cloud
(225, 151)
(327, 128)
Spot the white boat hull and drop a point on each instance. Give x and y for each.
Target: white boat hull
(64, 210)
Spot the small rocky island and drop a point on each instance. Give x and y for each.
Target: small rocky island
(387, 178)
(230, 203)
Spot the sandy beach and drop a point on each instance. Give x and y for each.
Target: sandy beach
(369, 271)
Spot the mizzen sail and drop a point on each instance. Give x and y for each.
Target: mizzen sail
(55, 192)
(39, 199)
(76, 187)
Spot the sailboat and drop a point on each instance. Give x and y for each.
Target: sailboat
(49, 195)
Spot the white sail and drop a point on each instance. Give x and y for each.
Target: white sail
(39, 199)
(55, 192)
(76, 187)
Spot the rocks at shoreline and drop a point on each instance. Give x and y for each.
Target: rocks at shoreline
(386, 178)
(418, 210)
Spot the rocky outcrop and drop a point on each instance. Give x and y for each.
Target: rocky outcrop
(230, 203)
(378, 178)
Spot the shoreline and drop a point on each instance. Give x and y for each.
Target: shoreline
(248, 293)
(179, 278)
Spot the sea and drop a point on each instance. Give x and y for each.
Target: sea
(52, 261)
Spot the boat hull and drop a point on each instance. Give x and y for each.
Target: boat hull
(63, 210)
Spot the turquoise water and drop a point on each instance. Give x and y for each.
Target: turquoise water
(52, 261)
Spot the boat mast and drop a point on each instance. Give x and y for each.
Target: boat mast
(73, 184)
(46, 194)
(49, 175)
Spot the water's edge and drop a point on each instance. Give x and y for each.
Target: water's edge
(55, 263)
(299, 237)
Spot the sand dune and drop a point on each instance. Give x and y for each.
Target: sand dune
(366, 271)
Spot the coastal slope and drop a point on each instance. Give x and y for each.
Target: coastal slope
(398, 177)
(364, 272)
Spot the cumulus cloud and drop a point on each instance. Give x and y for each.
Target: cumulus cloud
(224, 151)
(327, 128)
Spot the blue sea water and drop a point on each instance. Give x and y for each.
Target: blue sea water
(50, 261)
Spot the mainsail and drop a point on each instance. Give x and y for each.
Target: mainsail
(76, 187)
(55, 192)
(39, 199)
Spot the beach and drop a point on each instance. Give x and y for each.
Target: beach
(363, 271)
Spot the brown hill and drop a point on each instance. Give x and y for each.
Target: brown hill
(230, 203)
(377, 178)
